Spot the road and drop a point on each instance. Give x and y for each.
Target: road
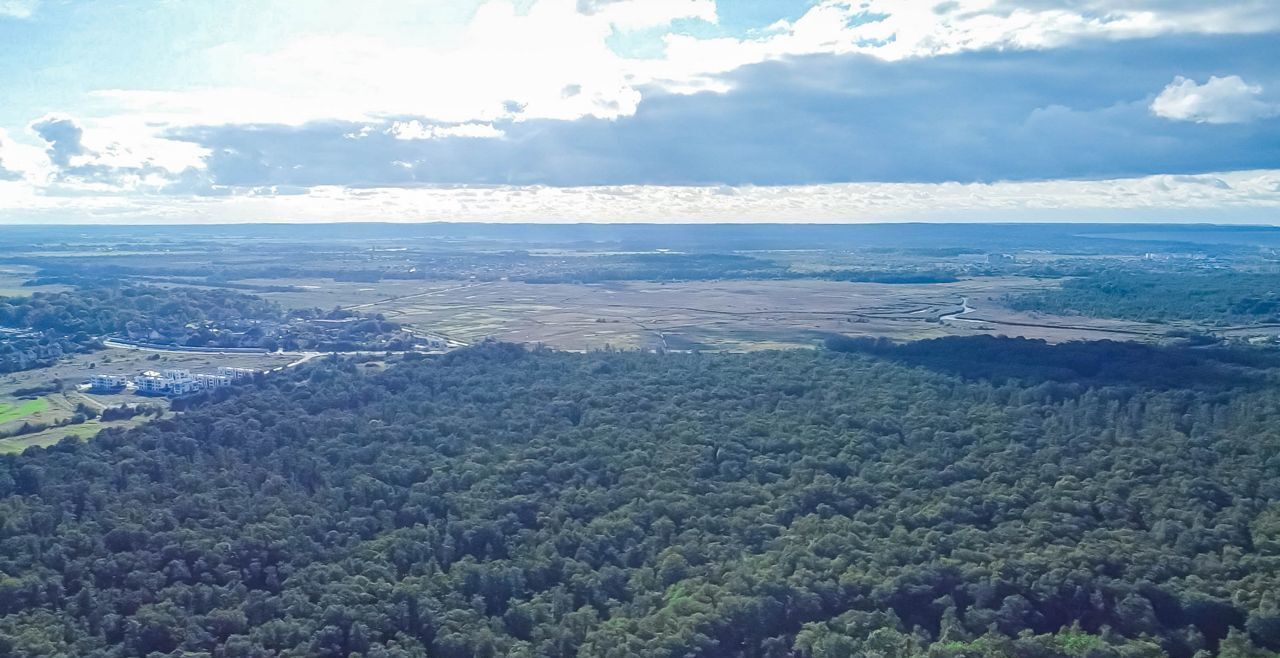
(112, 342)
(301, 357)
(416, 295)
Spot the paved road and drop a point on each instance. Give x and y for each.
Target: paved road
(301, 357)
(112, 342)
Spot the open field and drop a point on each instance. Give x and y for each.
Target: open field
(13, 276)
(989, 316)
(15, 411)
(80, 367)
(45, 410)
(58, 406)
(711, 315)
(48, 410)
(86, 430)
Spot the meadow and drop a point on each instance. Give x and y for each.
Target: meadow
(733, 315)
(10, 412)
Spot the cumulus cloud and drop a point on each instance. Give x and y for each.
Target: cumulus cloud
(1067, 113)
(530, 58)
(8, 172)
(21, 162)
(1219, 100)
(1222, 197)
(639, 14)
(117, 157)
(63, 136)
(415, 129)
(504, 60)
(877, 93)
(18, 8)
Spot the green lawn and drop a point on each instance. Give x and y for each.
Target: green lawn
(48, 437)
(10, 412)
(84, 431)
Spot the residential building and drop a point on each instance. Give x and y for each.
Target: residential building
(182, 382)
(108, 382)
(207, 382)
(237, 374)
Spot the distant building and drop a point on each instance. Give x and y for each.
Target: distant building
(107, 383)
(1000, 259)
(433, 342)
(169, 382)
(237, 374)
(151, 382)
(207, 382)
(173, 381)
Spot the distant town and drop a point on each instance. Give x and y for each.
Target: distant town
(171, 382)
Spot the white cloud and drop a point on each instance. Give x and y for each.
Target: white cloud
(640, 14)
(901, 29)
(410, 130)
(1252, 196)
(507, 59)
(18, 8)
(105, 157)
(553, 60)
(1220, 100)
(21, 161)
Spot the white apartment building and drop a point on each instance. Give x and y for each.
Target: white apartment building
(169, 382)
(207, 382)
(108, 382)
(173, 381)
(236, 374)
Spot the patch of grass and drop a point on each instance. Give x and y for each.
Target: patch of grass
(83, 431)
(49, 437)
(12, 412)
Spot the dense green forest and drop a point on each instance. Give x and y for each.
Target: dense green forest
(23, 349)
(76, 320)
(132, 309)
(499, 502)
(1221, 297)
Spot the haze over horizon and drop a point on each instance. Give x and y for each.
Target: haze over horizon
(639, 111)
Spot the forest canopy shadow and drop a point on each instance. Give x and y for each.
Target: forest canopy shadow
(1103, 362)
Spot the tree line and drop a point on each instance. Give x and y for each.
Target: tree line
(1215, 297)
(58, 323)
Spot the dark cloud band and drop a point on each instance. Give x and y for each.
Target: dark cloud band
(1079, 112)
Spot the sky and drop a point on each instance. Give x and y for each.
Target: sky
(208, 111)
